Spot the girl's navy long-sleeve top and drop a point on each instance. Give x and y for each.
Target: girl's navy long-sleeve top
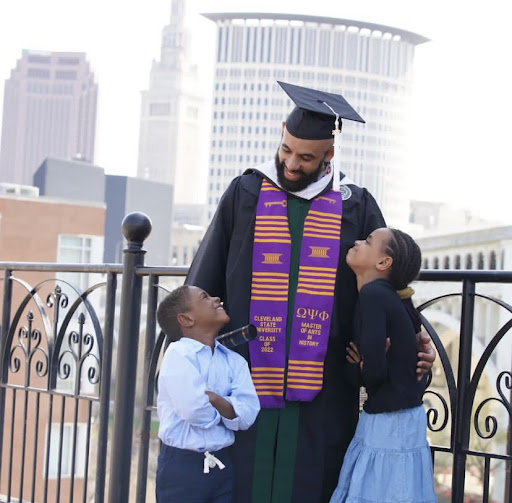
(389, 378)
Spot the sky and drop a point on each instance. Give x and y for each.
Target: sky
(459, 121)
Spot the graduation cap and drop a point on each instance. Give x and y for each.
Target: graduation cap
(317, 116)
(315, 113)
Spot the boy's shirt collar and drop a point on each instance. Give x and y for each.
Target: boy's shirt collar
(194, 344)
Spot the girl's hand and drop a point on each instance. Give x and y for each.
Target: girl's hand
(426, 356)
(353, 355)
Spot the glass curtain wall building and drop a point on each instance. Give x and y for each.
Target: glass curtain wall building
(369, 64)
(49, 111)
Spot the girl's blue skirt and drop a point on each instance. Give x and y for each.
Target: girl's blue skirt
(388, 460)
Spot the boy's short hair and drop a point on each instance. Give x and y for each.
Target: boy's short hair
(174, 303)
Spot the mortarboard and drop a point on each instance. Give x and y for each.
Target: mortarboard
(317, 116)
(314, 116)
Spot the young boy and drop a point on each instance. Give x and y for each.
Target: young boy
(205, 394)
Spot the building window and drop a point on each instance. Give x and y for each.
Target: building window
(492, 261)
(436, 263)
(37, 58)
(457, 261)
(68, 61)
(480, 264)
(74, 249)
(68, 430)
(469, 261)
(446, 263)
(65, 75)
(425, 264)
(156, 109)
(38, 73)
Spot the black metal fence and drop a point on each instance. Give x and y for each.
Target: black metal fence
(61, 386)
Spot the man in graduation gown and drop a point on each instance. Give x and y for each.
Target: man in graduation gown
(294, 452)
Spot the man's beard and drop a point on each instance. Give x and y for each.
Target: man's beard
(302, 182)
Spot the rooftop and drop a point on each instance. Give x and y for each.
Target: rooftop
(405, 35)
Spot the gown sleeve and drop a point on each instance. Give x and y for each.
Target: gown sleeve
(373, 218)
(208, 269)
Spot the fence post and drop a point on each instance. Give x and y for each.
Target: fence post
(4, 330)
(136, 228)
(463, 409)
(147, 392)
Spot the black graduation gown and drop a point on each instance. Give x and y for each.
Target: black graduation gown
(223, 267)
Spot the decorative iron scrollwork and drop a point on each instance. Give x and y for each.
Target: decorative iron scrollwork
(491, 422)
(80, 349)
(433, 413)
(57, 298)
(29, 345)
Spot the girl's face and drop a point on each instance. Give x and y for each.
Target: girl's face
(369, 253)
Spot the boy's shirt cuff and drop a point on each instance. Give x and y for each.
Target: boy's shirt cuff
(231, 424)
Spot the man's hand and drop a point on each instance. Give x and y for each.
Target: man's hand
(353, 355)
(426, 355)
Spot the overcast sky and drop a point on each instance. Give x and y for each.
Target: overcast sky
(462, 106)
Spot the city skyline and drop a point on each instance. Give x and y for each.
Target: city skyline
(458, 71)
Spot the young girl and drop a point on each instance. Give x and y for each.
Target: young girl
(388, 459)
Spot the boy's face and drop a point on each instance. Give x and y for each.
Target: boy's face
(206, 311)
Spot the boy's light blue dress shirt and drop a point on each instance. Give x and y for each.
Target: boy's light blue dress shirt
(187, 419)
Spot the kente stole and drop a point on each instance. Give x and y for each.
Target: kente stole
(313, 302)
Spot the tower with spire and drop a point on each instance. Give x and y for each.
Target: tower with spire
(171, 112)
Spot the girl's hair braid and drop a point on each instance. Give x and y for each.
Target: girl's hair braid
(406, 255)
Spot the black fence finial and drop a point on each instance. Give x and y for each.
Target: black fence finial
(136, 227)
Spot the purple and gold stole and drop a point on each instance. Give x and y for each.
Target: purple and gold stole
(313, 302)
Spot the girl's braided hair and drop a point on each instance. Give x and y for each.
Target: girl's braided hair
(406, 255)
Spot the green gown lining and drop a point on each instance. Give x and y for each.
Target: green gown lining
(278, 429)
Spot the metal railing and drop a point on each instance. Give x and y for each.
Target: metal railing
(57, 360)
(461, 402)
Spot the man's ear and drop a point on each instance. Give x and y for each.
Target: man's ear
(330, 154)
(385, 263)
(283, 127)
(185, 320)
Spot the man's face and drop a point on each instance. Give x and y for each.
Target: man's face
(299, 162)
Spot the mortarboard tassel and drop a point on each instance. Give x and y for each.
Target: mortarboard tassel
(336, 160)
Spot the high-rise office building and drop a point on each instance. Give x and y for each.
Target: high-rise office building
(369, 64)
(171, 114)
(49, 110)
